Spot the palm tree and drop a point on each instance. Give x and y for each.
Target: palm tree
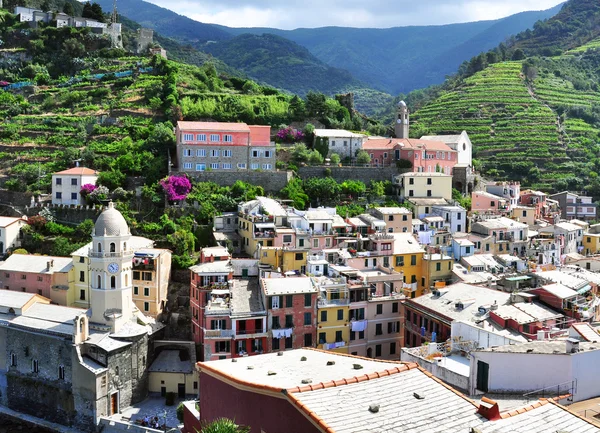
(224, 425)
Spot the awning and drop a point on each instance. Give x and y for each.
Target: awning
(264, 225)
(379, 223)
(219, 292)
(584, 289)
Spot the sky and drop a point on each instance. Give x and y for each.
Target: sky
(291, 14)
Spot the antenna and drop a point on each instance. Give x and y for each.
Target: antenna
(113, 18)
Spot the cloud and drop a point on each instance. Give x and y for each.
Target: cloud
(292, 14)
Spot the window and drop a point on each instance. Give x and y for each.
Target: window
(188, 137)
(214, 165)
(136, 275)
(413, 260)
(201, 152)
(82, 295)
(200, 167)
(378, 350)
(346, 143)
(315, 243)
(393, 348)
(340, 314)
(200, 137)
(187, 152)
(82, 276)
(113, 282)
(379, 309)
(275, 343)
(395, 307)
(73, 196)
(386, 262)
(215, 137)
(404, 218)
(289, 299)
(146, 306)
(267, 166)
(147, 276)
(227, 153)
(255, 153)
(324, 316)
(428, 181)
(74, 182)
(242, 166)
(428, 193)
(81, 260)
(338, 336)
(61, 372)
(23, 276)
(35, 366)
(378, 329)
(136, 290)
(275, 322)
(226, 166)
(195, 385)
(411, 193)
(322, 338)
(146, 291)
(274, 302)
(187, 165)
(411, 180)
(492, 203)
(59, 181)
(227, 138)
(385, 155)
(59, 195)
(13, 360)
(254, 166)
(214, 153)
(399, 260)
(301, 242)
(267, 154)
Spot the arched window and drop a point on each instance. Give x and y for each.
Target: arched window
(113, 282)
(112, 247)
(126, 280)
(124, 246)
(99, 247)
(99, 282)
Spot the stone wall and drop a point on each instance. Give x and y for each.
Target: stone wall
(271, 181)
(340, 174)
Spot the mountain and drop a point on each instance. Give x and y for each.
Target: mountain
(280, 63)
(535, 119)
(392, 60)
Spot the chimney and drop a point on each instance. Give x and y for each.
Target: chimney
(489, 409)
(572, 345)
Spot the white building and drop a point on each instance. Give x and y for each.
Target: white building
(461, 143)
(10, 232)
(342, 142)
(511, 191)
(569, 236)
(455, 217)
(67, 184)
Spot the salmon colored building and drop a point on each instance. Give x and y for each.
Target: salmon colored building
(482, 201)
(219, 146)
(424, 155)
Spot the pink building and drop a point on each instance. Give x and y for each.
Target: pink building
(482, 201)
(43, 275)
(424, 155)
(219, 146)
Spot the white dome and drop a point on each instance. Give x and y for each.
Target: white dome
(111, 223)
(401, 104)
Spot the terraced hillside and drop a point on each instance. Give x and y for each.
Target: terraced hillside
(529, 120)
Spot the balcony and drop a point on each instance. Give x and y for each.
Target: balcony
(250, 334)
(101, 255)
(218, 333)
(264, 235)
(333, 302)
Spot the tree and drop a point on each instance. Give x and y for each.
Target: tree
(223, 425)
(294, 191)
(68, 9)
(354, 188)
(335, 158)
(518, 54)
(45, 6)
(111, 179)
(98, 12)
(161, 139)
(315, 158)
(300, 153)
(324, 189)
(363, 158)
(316, 104)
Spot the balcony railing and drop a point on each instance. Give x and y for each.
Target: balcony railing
(257, 333)
(264, 235)
(330, 302)
(104, 254)
(218, 333)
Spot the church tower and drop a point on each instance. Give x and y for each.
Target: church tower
(401, 126)
(110, 270)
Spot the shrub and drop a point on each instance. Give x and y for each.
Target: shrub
(335, 158)
(180, 412)
(363, 158)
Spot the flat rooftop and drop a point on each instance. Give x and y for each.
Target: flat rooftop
(546, 347)
(287, 286)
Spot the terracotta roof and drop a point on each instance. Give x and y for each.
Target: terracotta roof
(81, 171)
(405, 143)
(213, 126)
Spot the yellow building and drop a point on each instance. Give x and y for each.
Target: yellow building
(151, 274)
(173, 370)
(523, 214)
(408, 259)
(284, 258)
(591, 243)
(257, 220)
(424, 185)
(437, 268)
(333, 310)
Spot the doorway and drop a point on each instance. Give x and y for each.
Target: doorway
(163, 391)
(483, 371)
(114, 403)
(181, 390)
(244, 273)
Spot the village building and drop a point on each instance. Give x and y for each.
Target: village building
(511, 191)
(575, 206)
(10, 233)
(486, 203)
(66, 185)
(425, 185)
(344, 143)
(397, 219)
(223, 147)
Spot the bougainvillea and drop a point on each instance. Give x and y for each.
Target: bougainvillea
(176, 188)
(87, 189)
(289, 135)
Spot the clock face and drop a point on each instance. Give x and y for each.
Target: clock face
(113, 268)
(399, 121)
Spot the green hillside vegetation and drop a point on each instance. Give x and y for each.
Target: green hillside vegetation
(280, 63)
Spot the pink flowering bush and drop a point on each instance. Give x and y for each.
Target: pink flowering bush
(289, 135)
(176, 188)
(87, 189)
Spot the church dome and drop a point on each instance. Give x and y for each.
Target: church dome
(111, 223)
(401, 104)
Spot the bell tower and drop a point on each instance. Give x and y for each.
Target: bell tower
(402, 121)
(111, 258)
